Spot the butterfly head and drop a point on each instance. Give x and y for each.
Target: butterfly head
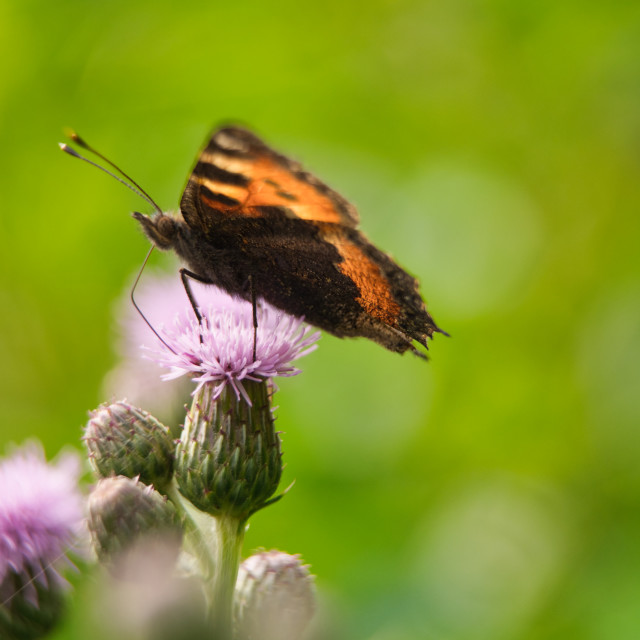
(161, 229)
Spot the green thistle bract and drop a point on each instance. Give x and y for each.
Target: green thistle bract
(122, 511)
(228, 460)
(126, 441)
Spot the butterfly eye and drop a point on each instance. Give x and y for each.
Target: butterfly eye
(166, 227)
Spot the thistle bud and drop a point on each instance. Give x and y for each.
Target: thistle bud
(41, 514)
(122, 511)
(126, 441)
(228, 460)
(144, 596)
(275, 597)
(31, 605)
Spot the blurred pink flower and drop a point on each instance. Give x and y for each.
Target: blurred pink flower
(160, 296)
(41, 518)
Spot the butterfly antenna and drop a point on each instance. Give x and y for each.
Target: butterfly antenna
(134, 186)
(135, 304)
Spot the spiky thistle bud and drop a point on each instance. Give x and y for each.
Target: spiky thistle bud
(228, 460)
(122, 511)
(126, 441)
(275, 597)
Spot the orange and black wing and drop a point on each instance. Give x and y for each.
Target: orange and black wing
(238, 174)
(328, 273)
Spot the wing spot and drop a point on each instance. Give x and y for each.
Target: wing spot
(217, 198)
(375, 297)
(287, 195)
(231, 164)
(217, 174)
(229, 142)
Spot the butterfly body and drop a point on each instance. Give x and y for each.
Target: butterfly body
(250, 217)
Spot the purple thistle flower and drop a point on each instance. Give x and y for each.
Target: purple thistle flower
(41, 516)
(220, 350)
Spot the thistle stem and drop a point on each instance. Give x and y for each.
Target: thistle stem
(229, 532)
(196, 541)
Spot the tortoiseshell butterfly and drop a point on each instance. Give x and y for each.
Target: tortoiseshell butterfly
(256, 224)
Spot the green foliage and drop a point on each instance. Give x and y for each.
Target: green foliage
(492, 148)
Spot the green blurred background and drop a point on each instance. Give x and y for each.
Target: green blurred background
(493, 148)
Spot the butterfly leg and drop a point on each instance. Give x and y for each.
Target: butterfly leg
(185, 274)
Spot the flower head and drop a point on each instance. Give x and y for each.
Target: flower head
(41, 513)
(274, 598)
(219, 350)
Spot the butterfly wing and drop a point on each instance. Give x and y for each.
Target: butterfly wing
(256, 216)
(238, 174)
(328, 273)
(343, 284)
